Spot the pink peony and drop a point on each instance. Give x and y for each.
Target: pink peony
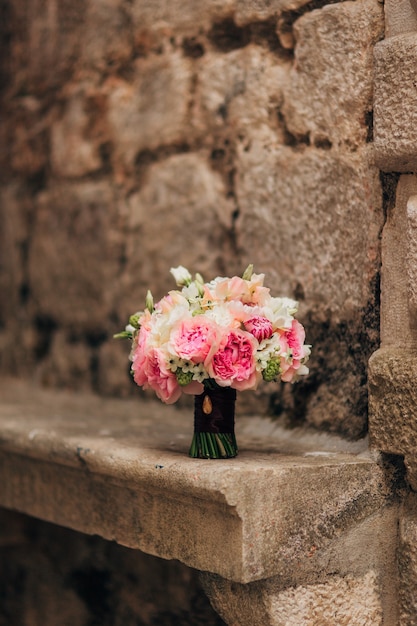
(260, 327)
(295, 339)
(234, 364)
(150, 372)
(194, 337)
(139, 355)
(292, 341)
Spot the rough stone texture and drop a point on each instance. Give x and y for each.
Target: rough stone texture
(397, 275)
(361, 561)
(120, 469)
(305, 220)
(135, 136)
(395, 112)
(400, 17)
(345, 601)
(151, 110)
(75, 254)
(209, 136)
(407, 562)
(411, 259)
(186, 197)
(329, 94)
(393, 405)
(51, 576)
(72, 155)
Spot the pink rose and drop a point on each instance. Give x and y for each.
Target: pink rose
(292, 341)
(194, 337)
(260, 327)
(151, 372)
(295, 339)
(234, 364)
(138, 355)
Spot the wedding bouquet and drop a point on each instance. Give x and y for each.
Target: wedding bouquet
(229, 333)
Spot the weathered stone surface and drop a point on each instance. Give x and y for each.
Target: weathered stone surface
(249, 10)
(185, 16)
(74, 257)
(407, 562)
(395, 113)
(288, 216)
(397, 325)
(187, 119)
(329, 93)
(179, 217)
(151, 110)
(72, 153)
(102, 42)
(411, 259)
(182, 17)
(47, 36)
(364, 560)
(295, 225)
(121, 470)
(345, 601)
(400, 17)
(392, 405)
(242, 88)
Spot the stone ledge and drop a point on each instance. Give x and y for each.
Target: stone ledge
(120, 469)
(393, 405)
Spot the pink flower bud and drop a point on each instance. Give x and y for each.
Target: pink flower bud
(260, 327)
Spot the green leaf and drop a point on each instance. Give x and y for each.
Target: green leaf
(125, 334)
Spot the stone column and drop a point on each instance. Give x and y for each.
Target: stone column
(393, 368)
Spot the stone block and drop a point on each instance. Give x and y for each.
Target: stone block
(252, 10)
(184, 17)
(180, 217)
(178, 17)
(395, 110)
(75, 253)
(73, 154)
(310, 219)
(300, 212)
(241, 89)
(328, 96)
(397, 272)
(151, 110)
(353, 582)
(48, 39)
(345, 601)
(393, 405)
(107, 35)
(400, 17)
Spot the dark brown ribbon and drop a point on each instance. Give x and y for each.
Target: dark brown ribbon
(221, 418)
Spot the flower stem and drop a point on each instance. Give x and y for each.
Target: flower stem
(213, 446)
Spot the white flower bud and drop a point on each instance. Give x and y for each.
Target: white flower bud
(247, 274)
(149, 301)
(181, 275)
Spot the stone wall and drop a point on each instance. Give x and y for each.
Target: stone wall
(140, 135)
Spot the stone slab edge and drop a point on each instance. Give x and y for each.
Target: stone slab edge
(269, 509)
